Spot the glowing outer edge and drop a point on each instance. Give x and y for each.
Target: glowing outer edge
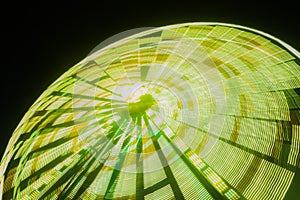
(285, 45)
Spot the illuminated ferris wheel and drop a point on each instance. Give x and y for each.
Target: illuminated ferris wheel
(187, 111)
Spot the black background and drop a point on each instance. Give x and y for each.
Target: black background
(40, 41)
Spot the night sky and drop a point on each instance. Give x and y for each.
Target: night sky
(42, 41)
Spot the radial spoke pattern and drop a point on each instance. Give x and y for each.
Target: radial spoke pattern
(189, 111)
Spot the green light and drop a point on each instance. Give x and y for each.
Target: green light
(187, 111)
